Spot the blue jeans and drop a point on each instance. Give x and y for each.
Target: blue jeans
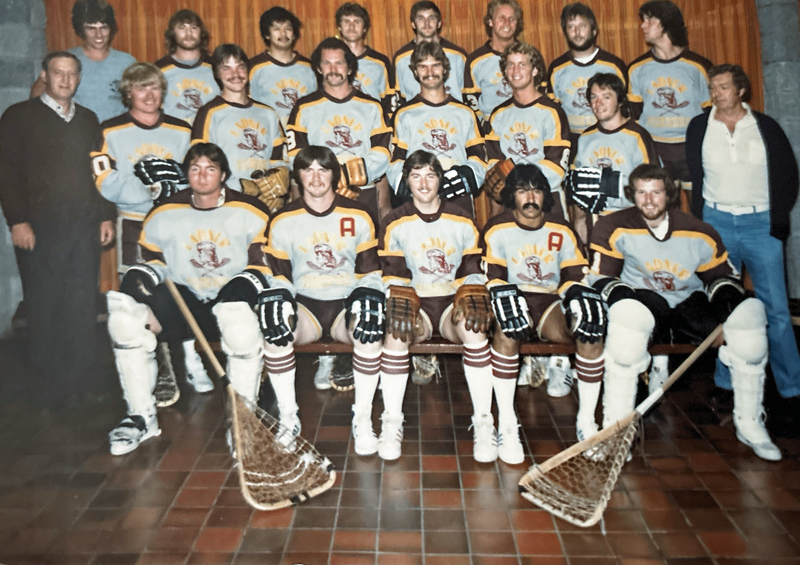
(747, 240)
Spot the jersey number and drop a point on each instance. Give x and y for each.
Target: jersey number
(554, 241)
(347, 226)
(101, 164)
(291, 142)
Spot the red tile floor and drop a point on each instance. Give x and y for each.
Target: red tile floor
(691, 495)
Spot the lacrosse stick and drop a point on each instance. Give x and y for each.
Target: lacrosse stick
(272, 475)
(576, 484)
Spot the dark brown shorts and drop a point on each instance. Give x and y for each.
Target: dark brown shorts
(323, 312)
(129, 232)
(673, 156)
(433, 308)
(538, 305)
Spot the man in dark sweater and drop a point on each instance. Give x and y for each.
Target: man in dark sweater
(58, 222)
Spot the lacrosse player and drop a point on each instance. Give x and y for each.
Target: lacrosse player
(430, 257)
(203, 240)
(536, 270)
(665, 274)
(323, 253)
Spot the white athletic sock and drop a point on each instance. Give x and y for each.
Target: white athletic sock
(366, 372)
(394, 377)
(283, 382)
(478, 373)
(588, 390)
(504, 391)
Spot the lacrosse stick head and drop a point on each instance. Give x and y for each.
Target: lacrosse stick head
(275, 469)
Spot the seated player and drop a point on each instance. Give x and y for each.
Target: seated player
(431, 265)
(665, 273)
(323, 252)
(536, 270)
(201, 240)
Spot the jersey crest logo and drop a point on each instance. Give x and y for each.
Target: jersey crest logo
(666, 91)
(288, 93)
(190, 94)
(664, 275)
(530, 259)
(205, 245)
(504, 91)
(578, 91)
(518, 138)
(325, 257)
(361, 81)
(606, 158)
(342, 129)
(436, 252)
(149, 151)
(438, 130)
(250, 130)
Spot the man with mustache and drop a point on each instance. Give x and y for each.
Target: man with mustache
(568, 74)
(249, 132)
(484, 84)
(353, 126)
(536, 279)
(187, 68)
(280, 75)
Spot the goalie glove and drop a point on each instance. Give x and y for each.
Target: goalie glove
(473, 304)
(401, 195)
(457, 181)
(353, 177)
(511, 311)
(244, 287)
(613, 290)
(496, 178)
(164, 177)
(725, 294)
(139, 282)
(585, 313)
(270, 186)
(277, 316)
(364, 314)
(402, 313)
(590, 187)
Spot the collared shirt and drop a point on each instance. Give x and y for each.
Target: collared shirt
(50, 102)
(735, 164)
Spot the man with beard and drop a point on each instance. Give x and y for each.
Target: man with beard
(668, 85)
(190, 80)
(536, 270)
(665, 274)
(280, 75)
(485, 87)
(426, 21)
(375, 75)
(249, 132)
(569, 73)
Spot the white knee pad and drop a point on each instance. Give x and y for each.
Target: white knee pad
(630, 324)
(745, 333)
(238, 327)
(127, 323)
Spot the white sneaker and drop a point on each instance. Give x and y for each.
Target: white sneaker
(130, 432)
(390, 444)
(585, 428)
(197, 376)
(290, 429)
(364, 439)
(484, 447)
(659, 373)
(533, 370)
(509, 446)
(757, 437)
(322, 378)
(559, 377)
(525, 371)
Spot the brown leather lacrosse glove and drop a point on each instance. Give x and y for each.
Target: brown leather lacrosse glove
(472, 303)
(496, 178)
(271, 187)
(402, 313)
(353, 177)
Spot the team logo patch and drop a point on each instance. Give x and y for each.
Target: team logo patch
(288, 91)
(606, 158)
(326, 252)
(665, 276)
(504, 91)
(205, 247)
(189, 93)
(530, 260)
(578, 91)
(251, 132)
(520, 139)
(435, 253)
(150, 151)
(361, 82)
(666, 92)
(342, 128)
(438, 131)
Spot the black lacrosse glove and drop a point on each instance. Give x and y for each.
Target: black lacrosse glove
(164, 177)
(510, 311)
(139, 281)
(724, 295)
(585, 313)
(613, 290)
(590, 187)
(364, 314)
(277, 316)
(457, 181)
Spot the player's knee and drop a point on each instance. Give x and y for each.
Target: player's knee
(239, 329)
(127, 322)
(504, 344)
(745, 331)
(630, 324)
(589, 350)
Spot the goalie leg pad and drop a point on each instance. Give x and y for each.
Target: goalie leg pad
(242, 342)
(127, 322)
(745, 332)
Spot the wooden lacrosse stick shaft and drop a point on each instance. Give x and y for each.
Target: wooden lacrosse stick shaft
(198, 333)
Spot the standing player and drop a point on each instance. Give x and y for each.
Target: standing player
(668, 85)
(323, 252)
(190, 80)
(531, 260)
(201, 241)
(430, 257)
(485, 87)
(280, 75)
(249, 132)
(435, 121)
(568, 75)
(375, 75)
(529, 128)
(607, 153)
(426, 21)
(662, 273)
